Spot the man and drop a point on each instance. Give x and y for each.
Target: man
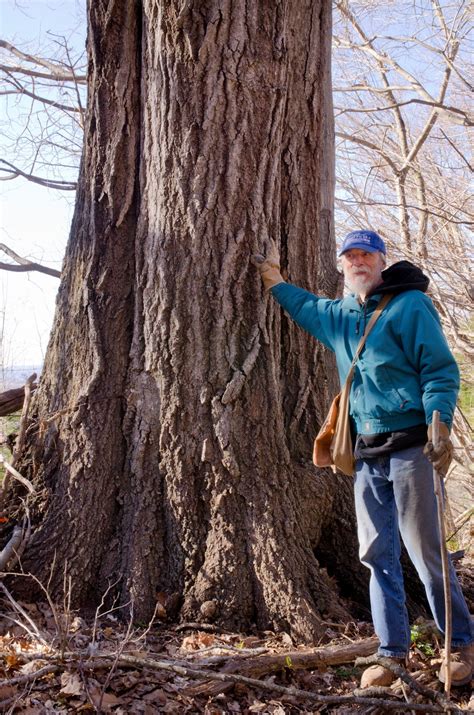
(403, 374)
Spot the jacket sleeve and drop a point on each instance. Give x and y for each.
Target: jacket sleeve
(425, 345)
(316, 315)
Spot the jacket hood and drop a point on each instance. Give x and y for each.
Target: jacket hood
(402, 276)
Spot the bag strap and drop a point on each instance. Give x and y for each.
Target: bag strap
(373, 319)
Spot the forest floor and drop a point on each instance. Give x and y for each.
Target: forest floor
(55, 661)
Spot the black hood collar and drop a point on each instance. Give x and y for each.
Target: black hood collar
(402, 276)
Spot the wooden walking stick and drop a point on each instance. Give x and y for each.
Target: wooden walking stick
(444, 560)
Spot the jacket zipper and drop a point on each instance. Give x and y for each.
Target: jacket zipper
(364, 315)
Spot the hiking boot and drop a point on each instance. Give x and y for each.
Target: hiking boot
(378, 676)
(462, 663)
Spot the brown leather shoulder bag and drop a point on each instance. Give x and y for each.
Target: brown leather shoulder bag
(333, 444)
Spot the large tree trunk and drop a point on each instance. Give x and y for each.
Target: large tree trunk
(177, 405)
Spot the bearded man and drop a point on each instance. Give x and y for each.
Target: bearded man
(404, 373)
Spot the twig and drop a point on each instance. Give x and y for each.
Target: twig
(143, 635)
(27, 630)
(19, 609)
(28, 677)
(113, 608)
(16, 474)
(26, 533)
(56, 616)
(208, 627)
(117, 657)
(231, 648)
(406, 694)
(376, 691)
(11, 548)
(460, 522)
(20, 440)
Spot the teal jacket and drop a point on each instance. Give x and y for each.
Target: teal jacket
(405, 371)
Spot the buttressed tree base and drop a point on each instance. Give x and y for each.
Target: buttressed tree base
(171, 433)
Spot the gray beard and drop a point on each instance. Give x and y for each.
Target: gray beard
(362, 284)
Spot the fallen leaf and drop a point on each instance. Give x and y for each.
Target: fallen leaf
(7, 691)
(286, 639)
(125, 682)
(156, 696)
(197, 641)
(32, 666)
(13, 661)
(276, 709)
(328, 678)
(161, 605)
(71, 684)
(103, 701)
(77, 624)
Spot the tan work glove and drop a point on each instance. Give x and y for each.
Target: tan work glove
(442, 456)
(269, 267)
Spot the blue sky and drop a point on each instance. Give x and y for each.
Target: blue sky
(34, 220)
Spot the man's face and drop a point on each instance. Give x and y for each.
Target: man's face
(362, 270)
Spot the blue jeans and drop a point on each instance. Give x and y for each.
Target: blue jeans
(394, 495)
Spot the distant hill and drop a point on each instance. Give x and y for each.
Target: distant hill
(17, 375)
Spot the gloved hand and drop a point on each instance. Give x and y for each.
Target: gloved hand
(442, 456)
(269, 267)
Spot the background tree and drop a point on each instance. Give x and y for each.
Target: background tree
(177, 406)
(44, 98)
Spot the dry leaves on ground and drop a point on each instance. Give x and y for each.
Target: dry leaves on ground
(110, 667)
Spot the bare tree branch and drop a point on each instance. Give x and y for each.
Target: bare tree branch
(24, 265)
(44, 128)
(464, 118)
(57, 72)
(19, 89)
(14, 172)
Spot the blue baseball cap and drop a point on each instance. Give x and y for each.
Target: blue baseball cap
(365, 240)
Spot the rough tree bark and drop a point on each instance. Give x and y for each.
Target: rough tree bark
(177, 405)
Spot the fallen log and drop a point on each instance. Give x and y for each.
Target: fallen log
(294, 660)
(11, 401)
